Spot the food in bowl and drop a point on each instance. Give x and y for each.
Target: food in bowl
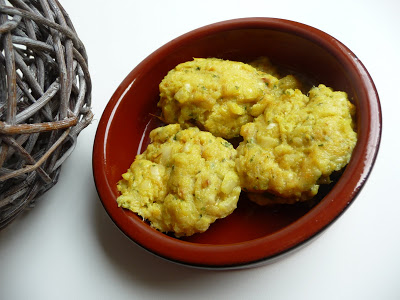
(214, 94)
(296, 144)
(183, 181)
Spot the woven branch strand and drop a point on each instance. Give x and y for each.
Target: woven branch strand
(45, 99)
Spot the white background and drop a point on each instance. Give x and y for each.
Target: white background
(68, 248)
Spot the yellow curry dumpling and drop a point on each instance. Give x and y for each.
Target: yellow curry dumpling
(183, 181)
(296, 144)
(214, 94)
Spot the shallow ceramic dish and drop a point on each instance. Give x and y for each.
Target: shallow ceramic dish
(251, 235)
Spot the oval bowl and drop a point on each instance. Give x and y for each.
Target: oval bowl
(252, 235)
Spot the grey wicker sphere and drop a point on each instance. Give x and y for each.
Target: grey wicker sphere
(45, 99)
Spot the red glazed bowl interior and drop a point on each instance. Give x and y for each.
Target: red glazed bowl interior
(252, 234)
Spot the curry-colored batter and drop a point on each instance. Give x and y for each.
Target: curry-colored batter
(292, 142)
(183, 181)
(216, 95)
(296, 144)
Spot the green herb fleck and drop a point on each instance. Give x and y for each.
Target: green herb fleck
(226, 144)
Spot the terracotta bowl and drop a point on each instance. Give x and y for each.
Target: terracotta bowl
(251, 235)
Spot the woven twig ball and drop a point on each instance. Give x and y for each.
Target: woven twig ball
(45, 99)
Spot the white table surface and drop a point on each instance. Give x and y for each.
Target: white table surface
(68, 248)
